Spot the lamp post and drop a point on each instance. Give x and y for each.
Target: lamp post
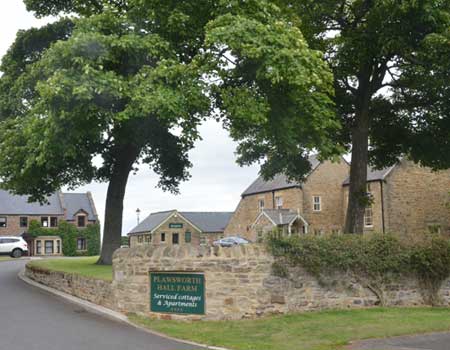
(138, 211)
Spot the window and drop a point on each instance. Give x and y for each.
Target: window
(2, 221)
(175, 238)
(148, 239)
(261, 204)
(317, 203)
(279, 202)
(48, 247)
(259, 235)
(81, 220)
(163, 237)
(140, 239)
(53, 221)
(187, 237)
(318, 232)
(202, 239)
(44, 221)
(38, 247)
(434, 228)
(368, 217)
(58, 247)
(23, 221)
(81, 244)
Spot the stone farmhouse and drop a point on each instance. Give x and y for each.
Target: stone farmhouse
(406, 198)
(173, 227)
(16, 213)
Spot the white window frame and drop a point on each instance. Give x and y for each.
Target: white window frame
(317, 205)
(261, 201)
(370, 223)
(279, 202)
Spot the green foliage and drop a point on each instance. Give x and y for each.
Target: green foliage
(431, 264)
(375, 260)
(69, 234)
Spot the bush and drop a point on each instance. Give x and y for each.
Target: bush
(69, 234)
(373, 260)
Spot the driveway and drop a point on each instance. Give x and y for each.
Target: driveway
(32, 319)
(434, 341)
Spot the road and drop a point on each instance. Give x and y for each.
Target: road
(435, 341)
(34, 320)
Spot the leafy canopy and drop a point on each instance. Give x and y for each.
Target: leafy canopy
(134, 80)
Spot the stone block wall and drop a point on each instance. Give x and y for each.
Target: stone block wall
(240, 283)
(94, 290)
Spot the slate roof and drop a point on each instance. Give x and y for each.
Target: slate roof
(279, 182)
(18, 205)
(280, 216)
(74, 202)
(11, 204)
(205, 221)
(374, 174)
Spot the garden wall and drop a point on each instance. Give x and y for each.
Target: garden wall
(240, 283)
(94, 290)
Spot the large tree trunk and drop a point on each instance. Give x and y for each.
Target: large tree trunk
(357, 197)
(112, 232)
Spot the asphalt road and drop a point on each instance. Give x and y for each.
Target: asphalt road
(434, 341)
(34, 320)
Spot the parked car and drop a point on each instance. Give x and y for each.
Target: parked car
(230, 241)
(13, 246)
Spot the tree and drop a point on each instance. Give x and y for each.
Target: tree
(391, 70)
(129, 82)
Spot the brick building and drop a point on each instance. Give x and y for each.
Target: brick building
(16, 213)
(407, 198)
(178, 228)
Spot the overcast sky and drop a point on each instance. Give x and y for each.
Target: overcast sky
(216, 182)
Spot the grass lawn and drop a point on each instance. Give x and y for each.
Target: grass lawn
(5, 258)
(82, 266)
(328, 330)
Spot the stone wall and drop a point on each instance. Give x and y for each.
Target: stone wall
(241, 283)
(94, 290)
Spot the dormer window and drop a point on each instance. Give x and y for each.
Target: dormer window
(81, 221)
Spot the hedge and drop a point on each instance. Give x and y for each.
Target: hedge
(69, 234)
(374, 260)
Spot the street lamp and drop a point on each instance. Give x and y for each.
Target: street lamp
(138, 211)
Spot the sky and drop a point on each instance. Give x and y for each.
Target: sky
(216, 182)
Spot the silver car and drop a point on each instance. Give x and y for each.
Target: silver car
(230, 241)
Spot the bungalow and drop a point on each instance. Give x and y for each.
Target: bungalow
(173, 227)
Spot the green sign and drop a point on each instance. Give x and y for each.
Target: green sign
(177, 292)
(175, 225)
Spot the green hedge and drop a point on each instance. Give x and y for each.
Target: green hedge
(374, 260)
(69, 234)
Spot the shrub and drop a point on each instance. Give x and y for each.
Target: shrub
(373, 260)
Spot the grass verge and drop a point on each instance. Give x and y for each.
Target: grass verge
(5, 258)
(85, 266)
(327, 330)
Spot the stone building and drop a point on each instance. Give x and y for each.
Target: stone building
(406, 198)
(316, 203)
(179, 228)
(16, 214)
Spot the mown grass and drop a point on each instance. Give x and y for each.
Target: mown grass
(5, 258)
(85, 266)
(328, 330)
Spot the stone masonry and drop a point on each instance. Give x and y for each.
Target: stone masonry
(240, 283)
